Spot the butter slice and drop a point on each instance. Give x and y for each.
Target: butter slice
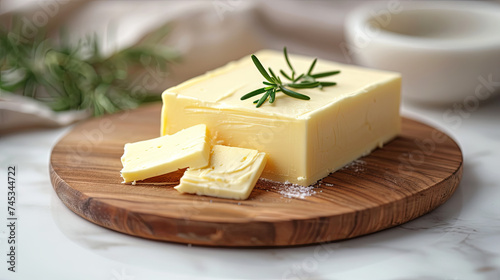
(232, 173)
(187, 148)
(304, 140)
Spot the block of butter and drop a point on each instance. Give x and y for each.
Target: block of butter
(189, 147)
(304, 140)
(232, 173)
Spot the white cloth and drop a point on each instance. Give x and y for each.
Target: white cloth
(208, 34)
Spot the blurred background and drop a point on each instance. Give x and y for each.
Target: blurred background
(63, 61)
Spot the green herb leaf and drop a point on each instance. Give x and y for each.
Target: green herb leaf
(304, 85)
(312, 66)
(279, 80)
(253, 93)
(298, 78)
(294, 94)
(276, 80)
(286, 76)
(261, 68)
(263, 98)
(325, 74)
(327, 84)
(272, 96)
(287, 60)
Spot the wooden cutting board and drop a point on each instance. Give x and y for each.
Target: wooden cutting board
(407, 178)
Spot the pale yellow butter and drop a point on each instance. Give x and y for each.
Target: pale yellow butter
(187, 148)
(232, 173)
(304, 140)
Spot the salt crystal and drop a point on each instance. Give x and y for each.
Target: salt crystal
(290, 190)
(356, 165)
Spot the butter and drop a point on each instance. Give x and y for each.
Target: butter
(145, 159)
(304, 140)
(232, 173)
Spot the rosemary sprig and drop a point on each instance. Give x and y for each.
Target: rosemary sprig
(274, 84)
(78, 76)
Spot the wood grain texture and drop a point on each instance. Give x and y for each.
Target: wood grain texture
(409, 177)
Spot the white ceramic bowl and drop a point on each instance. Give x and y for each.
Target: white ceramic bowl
(446, 51)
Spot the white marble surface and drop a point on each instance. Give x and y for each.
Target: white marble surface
(459, 240)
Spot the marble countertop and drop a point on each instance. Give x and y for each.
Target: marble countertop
(458, 240)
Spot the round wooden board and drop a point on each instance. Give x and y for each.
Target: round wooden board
(405, 179)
